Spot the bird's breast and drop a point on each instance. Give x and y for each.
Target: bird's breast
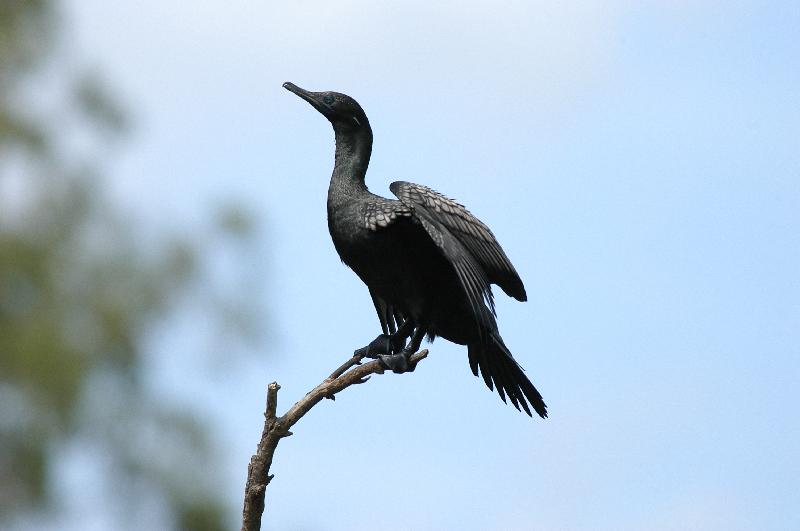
(345, 223)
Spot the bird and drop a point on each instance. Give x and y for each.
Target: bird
(428, 263)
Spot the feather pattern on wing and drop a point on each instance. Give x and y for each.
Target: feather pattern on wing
(466, 242)
(469, 230)
(470, 274)
(381, 212)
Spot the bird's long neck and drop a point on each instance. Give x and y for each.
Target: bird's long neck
(353, 149)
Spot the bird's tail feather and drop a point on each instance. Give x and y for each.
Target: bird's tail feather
(499, 369)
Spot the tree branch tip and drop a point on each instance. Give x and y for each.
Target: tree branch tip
(272, 401)
(421, 355)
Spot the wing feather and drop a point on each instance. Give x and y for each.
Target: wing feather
(469, 230)
(478, 261)
(470, 274)
(467, 243)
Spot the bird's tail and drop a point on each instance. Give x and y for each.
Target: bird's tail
(499, 369)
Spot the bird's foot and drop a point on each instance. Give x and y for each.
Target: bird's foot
(379, 345)
(382, 345)
(400, 362)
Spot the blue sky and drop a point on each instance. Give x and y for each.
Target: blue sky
(640, 164)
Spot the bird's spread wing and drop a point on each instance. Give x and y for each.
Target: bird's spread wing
(478, 261)
(450, 236)
(470, 274)
(467, 229)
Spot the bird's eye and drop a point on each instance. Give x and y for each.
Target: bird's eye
(327, 99)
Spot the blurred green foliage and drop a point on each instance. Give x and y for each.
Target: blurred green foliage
(79, 290)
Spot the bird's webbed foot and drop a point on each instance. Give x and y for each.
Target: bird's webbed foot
(384, 344)
(400, 362)
(387, 344)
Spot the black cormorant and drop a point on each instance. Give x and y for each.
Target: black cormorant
(428, 263)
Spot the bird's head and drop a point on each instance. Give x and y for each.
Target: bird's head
(343, 112)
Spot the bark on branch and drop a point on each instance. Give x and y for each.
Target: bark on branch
(276, 428)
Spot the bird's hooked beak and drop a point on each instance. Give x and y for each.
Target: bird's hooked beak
(311, 97)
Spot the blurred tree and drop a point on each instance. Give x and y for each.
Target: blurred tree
(78, 293)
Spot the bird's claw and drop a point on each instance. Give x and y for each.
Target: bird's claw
(384, 344)
(398, 363)
(380, 345)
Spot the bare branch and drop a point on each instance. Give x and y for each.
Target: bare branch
(351, 372)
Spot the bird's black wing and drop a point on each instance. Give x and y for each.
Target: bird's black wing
(472, 277)
(469, 230)
(473, 251)
(381, 212)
